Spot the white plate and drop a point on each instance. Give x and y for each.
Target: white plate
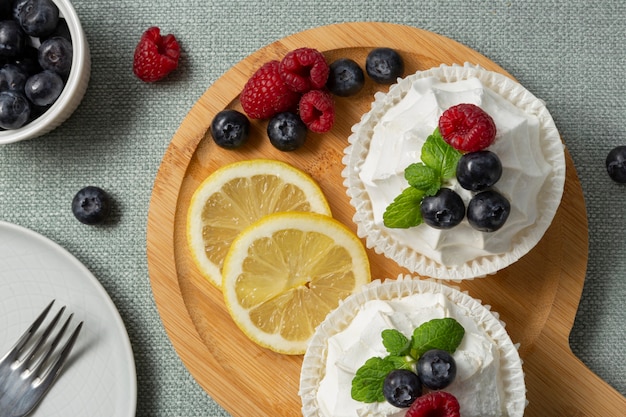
(99, 379)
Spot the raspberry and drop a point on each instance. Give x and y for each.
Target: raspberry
(266, 94)
(317, 111)
(304, 69)
(467, 127)
(435, 404)
(155, 55)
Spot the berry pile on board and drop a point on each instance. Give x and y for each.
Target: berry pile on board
(36, 55)
(294, 82)
(296, 95)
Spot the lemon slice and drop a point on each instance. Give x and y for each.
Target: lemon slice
(286, 272)
(237, 195)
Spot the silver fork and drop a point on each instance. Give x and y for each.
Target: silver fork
(29, 369)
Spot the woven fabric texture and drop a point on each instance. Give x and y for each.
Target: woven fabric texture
(570, 53)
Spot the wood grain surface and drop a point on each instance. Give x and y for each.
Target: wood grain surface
(537, 297)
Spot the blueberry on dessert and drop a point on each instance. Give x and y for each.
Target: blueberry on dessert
(443, 210)
(488, 210)
(401, 387)
(436, 369)
(477, 171)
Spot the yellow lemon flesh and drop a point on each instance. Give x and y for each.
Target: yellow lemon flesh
(237, 195)
(286, 272)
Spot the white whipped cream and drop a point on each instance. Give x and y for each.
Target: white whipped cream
(397, 140)
(478, 385)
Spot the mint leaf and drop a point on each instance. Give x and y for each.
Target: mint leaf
(439, 161)
(401, 362)
(367, 384)
(404, 211)
(423, 178)
(395, 342)
(445, 334)
(440, 156)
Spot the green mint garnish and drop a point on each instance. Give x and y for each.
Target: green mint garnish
(395, 342)
(439, 161)
(367, 384)
(404, 212)
(445, 334)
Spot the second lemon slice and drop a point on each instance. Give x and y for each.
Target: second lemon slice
(286, 272)
(237, 195)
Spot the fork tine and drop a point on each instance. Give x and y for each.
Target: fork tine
(33, 352)
(24, 338)
(60, 360)
(41, 359)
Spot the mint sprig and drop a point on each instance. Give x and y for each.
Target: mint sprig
(439, 161)
(404, 352)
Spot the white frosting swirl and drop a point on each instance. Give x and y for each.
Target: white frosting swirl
(477, 386)
(390, 137)
(397, 142)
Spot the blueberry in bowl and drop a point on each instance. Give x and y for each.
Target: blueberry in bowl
(51, 69)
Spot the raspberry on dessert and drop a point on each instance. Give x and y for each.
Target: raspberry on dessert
(266, 94)
(467, 127)
(317, 111)
(155, 55)
(435, 404)
(304, 69)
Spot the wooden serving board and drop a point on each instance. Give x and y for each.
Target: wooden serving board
(537, 297)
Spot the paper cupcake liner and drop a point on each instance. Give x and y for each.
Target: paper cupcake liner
(314, 362)
(383, 243)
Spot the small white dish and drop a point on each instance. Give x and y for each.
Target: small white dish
(74, 89)
(99, 379)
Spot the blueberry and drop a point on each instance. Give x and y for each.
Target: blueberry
(443, 210)
(287, 132)
(401, 388)
(346, 78)
(61, 30)
(28, 61)
(12, 38)
(436, 369)
(91, 205)
(616, 164)
(384, 65)
(55, 54)
(17, 7)
(38, 17)
(477, 171)
(488, 210)
(230, 129)
(12, 77)
(14, 110)
(44, 88)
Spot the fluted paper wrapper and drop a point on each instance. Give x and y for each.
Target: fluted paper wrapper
(314, 362)
(378, 237)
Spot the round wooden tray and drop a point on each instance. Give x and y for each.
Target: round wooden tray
(537, 297)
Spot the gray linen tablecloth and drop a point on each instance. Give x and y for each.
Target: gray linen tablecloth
(570, 53)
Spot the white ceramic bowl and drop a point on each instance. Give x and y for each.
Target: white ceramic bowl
(74, 89)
